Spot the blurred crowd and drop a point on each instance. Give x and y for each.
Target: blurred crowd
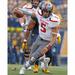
(15, 39)
(15, 52)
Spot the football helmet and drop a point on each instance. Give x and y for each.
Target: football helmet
(44, 5)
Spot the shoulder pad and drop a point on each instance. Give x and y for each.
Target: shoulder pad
(54, 18)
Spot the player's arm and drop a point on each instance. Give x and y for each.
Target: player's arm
(22, 20)
(54, 37)
(19, 14)
(29, 28)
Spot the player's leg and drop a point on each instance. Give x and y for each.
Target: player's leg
(34, 57)
(32, 60)
(26, 65)
(29, 42)
(45, 65)
(36, 54)
(38, 51)
(49, 55)
(46, 62)
(36, 66)
(34, 46)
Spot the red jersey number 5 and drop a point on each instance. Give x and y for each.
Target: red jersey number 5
(43, 27)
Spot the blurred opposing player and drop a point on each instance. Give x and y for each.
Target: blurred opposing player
(34, 33)
(48, 23)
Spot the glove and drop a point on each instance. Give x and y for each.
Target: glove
(58, 38)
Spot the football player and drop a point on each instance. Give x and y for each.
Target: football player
(48, 23)
(35, 29)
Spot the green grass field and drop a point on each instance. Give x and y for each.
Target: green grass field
(61, 70)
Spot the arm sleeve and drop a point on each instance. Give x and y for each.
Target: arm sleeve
(34, 18)
(25, 11)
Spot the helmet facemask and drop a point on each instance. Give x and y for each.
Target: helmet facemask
(46, 13)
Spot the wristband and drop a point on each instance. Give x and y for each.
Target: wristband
(22, 24)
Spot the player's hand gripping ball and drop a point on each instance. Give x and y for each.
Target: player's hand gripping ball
(18, 13)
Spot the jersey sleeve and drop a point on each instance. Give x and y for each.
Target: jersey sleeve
(55, 21)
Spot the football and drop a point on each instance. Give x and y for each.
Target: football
(18, 13)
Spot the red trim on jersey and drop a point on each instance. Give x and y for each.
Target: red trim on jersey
(53, 20)
(39, 13)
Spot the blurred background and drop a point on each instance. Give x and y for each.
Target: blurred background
(16, 34)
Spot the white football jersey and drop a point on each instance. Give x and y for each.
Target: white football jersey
(46, 24)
